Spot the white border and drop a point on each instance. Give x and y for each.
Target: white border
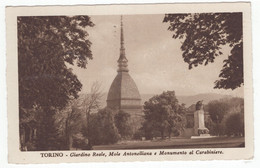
(155, 164)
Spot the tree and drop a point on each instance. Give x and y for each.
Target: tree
(46, 45)
(203, 35)
(177, 122)
(163, 113)
(221, 116)
(69, 122)
(90, 103)
(148, 129)
(27, 126)
(122, 122)
(235, 124)
(79, 141)
(102, 128)
(47, 133)
(217, 111)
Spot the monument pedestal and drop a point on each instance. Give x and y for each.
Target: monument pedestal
(200, 131)
(199, 127)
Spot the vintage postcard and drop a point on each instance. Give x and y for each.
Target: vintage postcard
(129, 83)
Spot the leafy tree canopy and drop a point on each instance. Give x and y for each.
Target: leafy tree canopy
(102, 128)
(221, 112)
(203, 36)
(122, 122)
(45, 45)
(163, 113)
(217, 110)
(235, 124)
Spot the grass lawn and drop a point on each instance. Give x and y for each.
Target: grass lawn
(177, 143)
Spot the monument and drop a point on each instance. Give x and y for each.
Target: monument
(123, 93)
(199, 125)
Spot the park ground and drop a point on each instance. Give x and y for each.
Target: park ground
(177, 143)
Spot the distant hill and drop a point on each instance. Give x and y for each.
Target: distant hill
(187, 100)
(206, 97)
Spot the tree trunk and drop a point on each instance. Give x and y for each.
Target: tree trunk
(67, 135)
(46, 133)
(88, 129)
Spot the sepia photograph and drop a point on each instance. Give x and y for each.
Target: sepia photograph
(132, 84)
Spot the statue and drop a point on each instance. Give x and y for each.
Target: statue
(199, 105)
(199, 124)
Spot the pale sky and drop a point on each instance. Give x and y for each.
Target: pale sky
(154, 58)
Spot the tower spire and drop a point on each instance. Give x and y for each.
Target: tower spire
(122, 47)
(122, 61)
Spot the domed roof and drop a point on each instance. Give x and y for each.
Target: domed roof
(123, 87)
